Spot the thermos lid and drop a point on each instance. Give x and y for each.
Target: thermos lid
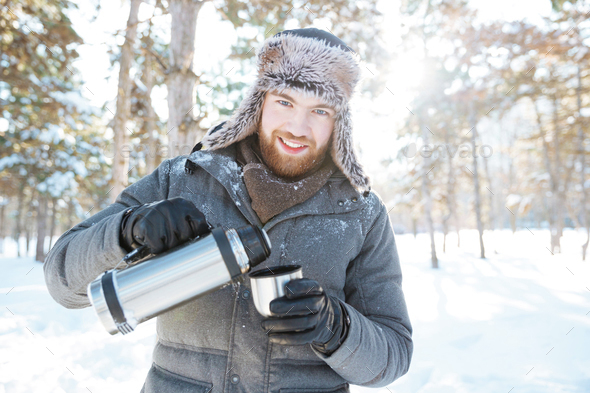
(256, 243)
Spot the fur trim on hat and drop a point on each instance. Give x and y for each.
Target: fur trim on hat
(309, 66)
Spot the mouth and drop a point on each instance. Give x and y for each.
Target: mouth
(291, 147)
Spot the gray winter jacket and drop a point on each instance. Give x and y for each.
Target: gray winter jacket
(216, 343)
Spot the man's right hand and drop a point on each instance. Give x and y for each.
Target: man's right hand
(162, 225)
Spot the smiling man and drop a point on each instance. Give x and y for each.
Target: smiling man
(284, 161)
(295, 132)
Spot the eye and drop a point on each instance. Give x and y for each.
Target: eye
(323, 112)
(286, 102)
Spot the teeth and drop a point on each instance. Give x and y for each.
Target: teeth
(291, 144)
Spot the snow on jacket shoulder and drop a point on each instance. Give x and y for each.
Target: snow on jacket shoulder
(215, 343)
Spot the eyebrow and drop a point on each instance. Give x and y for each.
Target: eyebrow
(288, 97)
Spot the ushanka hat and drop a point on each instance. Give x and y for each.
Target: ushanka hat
(312, 62)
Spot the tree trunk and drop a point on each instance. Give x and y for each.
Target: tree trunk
(450, 195)
(29, 221)
(445, 231)
(559, 191)
(27, 239)
(490, 193)
(513, 223)
(71, 212)
(41, 228)
(19, 216)
(582, 157)
(510, 141)
(553, 184)
(27, 228)
(426, 168)
(456, 222)
(151, 160)
(2, 214)
(53, 221)
(181, 80)
(511, 171)
(476, 185)
(121, 159)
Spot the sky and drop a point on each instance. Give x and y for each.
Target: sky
(100, 78)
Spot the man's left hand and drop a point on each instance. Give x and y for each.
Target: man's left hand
(306, 315)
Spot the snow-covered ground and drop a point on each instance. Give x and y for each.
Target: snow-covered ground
(45, 347)
(516, 322)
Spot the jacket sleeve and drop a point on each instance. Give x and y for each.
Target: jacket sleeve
(92, 247)
(378, 349)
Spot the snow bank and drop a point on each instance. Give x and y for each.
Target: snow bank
(48, 348)
(516, 322)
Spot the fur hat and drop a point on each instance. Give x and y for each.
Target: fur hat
(312, 62)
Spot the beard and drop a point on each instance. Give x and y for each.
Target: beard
(288, 165)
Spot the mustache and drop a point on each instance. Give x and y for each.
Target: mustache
(290, 137)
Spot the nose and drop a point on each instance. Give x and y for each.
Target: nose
(299, 125)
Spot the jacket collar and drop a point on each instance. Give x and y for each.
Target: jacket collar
(336, 196)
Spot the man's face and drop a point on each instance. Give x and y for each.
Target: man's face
(298, 120)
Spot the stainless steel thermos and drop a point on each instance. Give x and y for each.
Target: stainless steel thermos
(125, 298)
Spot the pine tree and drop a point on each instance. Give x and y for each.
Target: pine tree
(50, 149)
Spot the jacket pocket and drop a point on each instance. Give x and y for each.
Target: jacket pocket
(160, 380)
(344, 388)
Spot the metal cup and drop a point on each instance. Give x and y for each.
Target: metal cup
(268, 284)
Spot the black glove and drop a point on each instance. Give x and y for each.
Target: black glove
(162, 225)
(307, 315)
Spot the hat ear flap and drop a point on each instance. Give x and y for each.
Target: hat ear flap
(243, 123)
(343, 153)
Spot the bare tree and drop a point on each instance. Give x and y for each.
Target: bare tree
(582, 158)
(426, 168)
(20, 215)
(3, 203)
(151, 162)
(555, 210)
(53, 221)
(451, 202)
(181, 79)
(41, 227)
(121, 160)
(476, 194)
(491, 199)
